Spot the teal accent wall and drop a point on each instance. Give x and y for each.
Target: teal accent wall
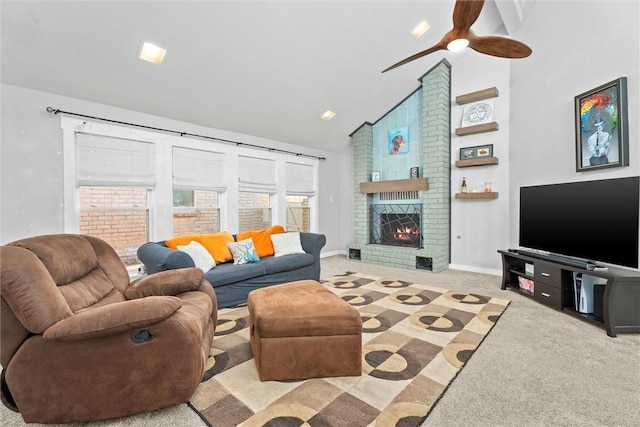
(406, 114)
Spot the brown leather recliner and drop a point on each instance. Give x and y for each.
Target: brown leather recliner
(79, 342)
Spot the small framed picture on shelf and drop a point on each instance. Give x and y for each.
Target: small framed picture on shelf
(477, 152)
(414, 172)
(375, 176)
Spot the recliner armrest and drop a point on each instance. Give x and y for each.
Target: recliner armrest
(112, 319)
(172, 282)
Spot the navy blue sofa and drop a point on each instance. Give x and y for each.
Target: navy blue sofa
(232, 283)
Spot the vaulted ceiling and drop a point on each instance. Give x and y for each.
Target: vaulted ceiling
(267, 68)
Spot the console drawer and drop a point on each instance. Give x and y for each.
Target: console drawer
(547, 295)
(547, 273)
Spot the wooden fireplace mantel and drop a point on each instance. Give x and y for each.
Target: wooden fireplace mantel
(412, 184)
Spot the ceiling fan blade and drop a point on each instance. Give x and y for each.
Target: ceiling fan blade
(466, 12)
(432, 49)
(499, 46)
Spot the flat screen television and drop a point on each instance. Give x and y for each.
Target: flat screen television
(593, 221)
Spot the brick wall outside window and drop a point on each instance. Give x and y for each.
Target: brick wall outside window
(254, 212)
(202, 217)
(117, 215)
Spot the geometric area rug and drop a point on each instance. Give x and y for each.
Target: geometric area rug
(415, 339)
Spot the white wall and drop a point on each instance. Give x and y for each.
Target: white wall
(480, 227)
(577, 46)
(32, 163)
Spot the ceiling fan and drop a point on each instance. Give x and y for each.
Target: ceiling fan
(465, 14)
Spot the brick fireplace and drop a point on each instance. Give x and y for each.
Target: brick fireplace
(403, 222)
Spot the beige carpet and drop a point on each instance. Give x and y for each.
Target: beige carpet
(416, 338)
(538, 367)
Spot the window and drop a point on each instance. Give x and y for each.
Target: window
(129, 186)
(198, 179)
(117, 215)
(195, 211)
(254, 211)
(257, 181)
(300, 189)
(114, 178)
(298, 213)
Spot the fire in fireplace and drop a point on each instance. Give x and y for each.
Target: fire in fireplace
(396, 224)
(406, 234)
(400, 229)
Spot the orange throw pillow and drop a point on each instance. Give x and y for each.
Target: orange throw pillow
(262, 239)
(215, 243)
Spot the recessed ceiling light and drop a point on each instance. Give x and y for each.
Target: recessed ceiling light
(152, 53)
(420, 29)
(328, 115)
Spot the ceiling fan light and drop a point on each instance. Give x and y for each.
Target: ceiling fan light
(419, 30)
(457, 45)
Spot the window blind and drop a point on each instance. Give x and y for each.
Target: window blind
(300, 179)
(257, 175)
(103, 160)
(199, 170)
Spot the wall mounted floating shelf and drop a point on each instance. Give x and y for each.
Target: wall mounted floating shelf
(477, 196)
(477, 162)
(492, 92)
(470, 130)
(413, 184)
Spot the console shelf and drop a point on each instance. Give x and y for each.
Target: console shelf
(553, 287)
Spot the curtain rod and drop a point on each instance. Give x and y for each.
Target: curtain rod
(227, 141)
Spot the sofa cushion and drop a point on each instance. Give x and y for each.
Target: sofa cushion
(216, 244)
(262, 239)
(225, 274)
(243, 252)
(287, 243)
(199, 254)
(286, 262)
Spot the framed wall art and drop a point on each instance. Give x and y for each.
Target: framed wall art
(477, 152)
(602, 134)
(477, 113)
(399, 140)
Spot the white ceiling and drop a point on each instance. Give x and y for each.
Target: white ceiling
(267, 68)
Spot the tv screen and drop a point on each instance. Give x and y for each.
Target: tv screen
(590, 220)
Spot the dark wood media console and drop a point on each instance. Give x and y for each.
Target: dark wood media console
(553, 286)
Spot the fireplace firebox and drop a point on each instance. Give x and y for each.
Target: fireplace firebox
(396, 225)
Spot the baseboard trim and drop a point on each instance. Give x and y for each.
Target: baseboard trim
(332, 253)
(476, 269)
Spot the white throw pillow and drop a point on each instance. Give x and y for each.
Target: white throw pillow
(287, 243)
(200, 255)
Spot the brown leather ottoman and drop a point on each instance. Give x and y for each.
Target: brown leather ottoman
(302, 330)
